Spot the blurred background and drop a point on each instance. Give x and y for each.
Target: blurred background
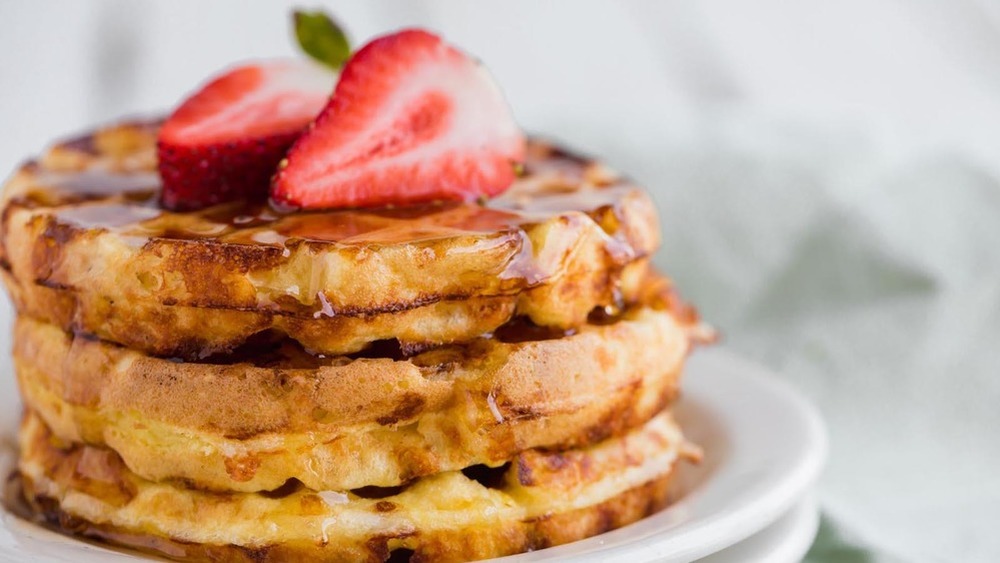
(828, 175)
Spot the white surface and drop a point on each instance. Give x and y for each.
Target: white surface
(785, 541)
(764, 448)
(828, 175)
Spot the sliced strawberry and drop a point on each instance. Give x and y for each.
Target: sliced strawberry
(225, 142)
(412, 120)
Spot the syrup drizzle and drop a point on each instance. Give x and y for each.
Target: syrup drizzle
(554, 183)
(140, 214)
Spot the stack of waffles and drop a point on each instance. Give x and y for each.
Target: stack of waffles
(439, 382)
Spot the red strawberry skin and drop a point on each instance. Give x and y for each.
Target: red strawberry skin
(412, 120)
(225, 142)
(201, 176)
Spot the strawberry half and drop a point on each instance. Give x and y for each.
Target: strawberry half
(412, 120)
(225, 142)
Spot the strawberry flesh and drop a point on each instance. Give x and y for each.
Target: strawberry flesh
(225, 142)
(412, 120)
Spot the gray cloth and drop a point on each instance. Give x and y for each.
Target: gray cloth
(872, 286)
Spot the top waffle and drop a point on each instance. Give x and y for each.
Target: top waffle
(85, 245)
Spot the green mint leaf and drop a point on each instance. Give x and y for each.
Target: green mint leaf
(321, 38)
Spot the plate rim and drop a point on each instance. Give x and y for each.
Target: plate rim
(787, 540)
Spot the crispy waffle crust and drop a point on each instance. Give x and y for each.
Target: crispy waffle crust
(538, 500)
(344, 423)
(85, 247)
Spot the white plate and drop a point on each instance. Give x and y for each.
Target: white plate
(764, 447)
(785, 541)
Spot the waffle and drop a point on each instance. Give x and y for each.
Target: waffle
(539, 499)
(344, 423)
(86, 247)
